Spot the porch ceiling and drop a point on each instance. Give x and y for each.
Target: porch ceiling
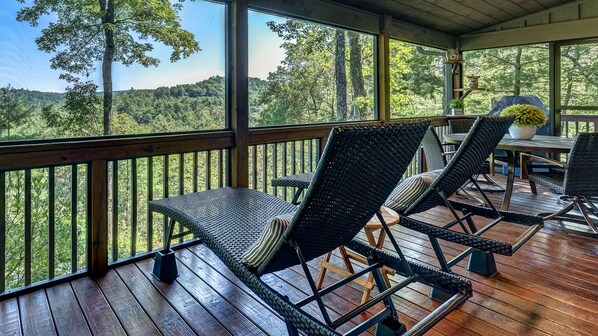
(455, 17)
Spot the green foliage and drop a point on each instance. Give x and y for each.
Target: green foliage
(525, 115)
(12, 110)
(107, 31)
(457, 103)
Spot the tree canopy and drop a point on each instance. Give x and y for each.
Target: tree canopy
(107, 31)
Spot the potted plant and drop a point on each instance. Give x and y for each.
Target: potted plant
(527, 120)
(456, 106)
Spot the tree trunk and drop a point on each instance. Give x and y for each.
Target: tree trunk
(108, 21)
(340, 74)
(356, 74)
(517, 79)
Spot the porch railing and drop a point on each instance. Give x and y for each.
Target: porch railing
(80, 205)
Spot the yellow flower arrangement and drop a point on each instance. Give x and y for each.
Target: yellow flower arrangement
(525, 115)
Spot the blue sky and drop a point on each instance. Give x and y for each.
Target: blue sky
(23, 66)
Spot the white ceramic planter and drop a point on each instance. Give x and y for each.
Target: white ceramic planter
(455, 111)
(522, 132)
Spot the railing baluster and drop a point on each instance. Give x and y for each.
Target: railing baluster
(220, 168)
(165, 188)
(311, 154)
(2, 232)
(133, 207)
(265, 163)
(208, 170)
(150, 196)
(254, 160)
(74, 213)
(195, 171)
(28, 235)
(275, 166)
(284, 168)
(302, 156)
(181, 185)
(115, 210)
(51, 221)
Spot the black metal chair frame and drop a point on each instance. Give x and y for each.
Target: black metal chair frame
(576, 180)
(479, 143)
(220, 218)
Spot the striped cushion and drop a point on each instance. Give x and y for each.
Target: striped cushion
(409, 190)
(271, 234)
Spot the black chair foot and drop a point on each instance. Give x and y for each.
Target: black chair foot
(165, 266)
(390, 327)
(482, 263)
(439, 294)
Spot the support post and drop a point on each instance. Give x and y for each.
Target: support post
(554, 63)
(239, 111)
(383, 68)
(97, 261)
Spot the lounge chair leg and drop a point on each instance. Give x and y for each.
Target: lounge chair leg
(439, 294)
(291, 329)
(482, 263)
(390, 327)
(165, 262)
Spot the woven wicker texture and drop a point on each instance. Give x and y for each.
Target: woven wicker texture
(358, 170)
(580, 177)
(298, 180)
(471, 155)
(463, 126)
(435, 158)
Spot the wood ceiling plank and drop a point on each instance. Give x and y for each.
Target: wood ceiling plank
(410, 14)
(490, 10)
(423, 10)
(509, 7)
(464, 10)
(529, 5)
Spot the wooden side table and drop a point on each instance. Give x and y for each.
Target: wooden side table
(391, 218)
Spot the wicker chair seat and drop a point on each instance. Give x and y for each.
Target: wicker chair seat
(244, 211)
(553, 180)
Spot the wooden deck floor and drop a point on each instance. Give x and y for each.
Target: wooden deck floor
(550, 287)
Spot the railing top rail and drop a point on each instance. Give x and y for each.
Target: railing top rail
(579, 117)
(64, 153)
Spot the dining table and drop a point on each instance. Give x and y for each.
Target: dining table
(539, 143)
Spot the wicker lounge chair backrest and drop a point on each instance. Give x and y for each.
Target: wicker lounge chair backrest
(435, 158)
(461, 125)
(580, 177)
(481, 140)
(359, 168)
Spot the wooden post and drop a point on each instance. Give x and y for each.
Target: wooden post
(239, 111)
(97, 262)
(384, 70)
(554, 62)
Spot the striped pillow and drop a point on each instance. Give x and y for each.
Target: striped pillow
(271, 234)
(410, 190)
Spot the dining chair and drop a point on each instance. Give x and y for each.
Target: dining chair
(576, 180)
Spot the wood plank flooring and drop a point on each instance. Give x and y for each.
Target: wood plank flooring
(550, 287)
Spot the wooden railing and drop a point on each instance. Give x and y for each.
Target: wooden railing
(81, 204)
(571, 124)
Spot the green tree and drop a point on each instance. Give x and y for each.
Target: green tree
(12, 110)
(107, 31)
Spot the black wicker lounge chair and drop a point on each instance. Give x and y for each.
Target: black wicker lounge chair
(471, 154)
(358, 169)
(463, 126)
(576, 180)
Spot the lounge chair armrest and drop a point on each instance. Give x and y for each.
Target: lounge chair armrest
(507, 216)
(533, 157)
(480, 243)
